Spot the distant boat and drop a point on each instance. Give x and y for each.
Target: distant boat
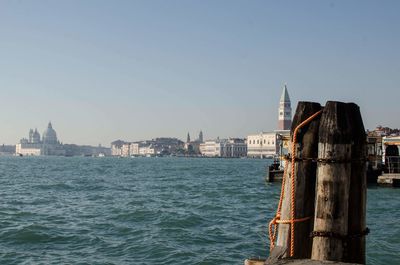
(274, 172)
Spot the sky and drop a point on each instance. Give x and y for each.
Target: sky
(135, 70)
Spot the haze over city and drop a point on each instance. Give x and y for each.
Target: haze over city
(106, 70)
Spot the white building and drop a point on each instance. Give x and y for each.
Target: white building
(232, 147)
(28, 149)
(265, 144)
(147, 150)
(134, 149)
(210, 148)
(116, 148)
(125, 150)
(128, 149)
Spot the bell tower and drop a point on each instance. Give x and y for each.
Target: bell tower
(285, 111)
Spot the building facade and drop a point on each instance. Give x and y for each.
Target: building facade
(158, 146)
(116, 148)
(28, 149)
(267, 144)
(147, 151)
(262, 145)
(134, 149)
(233, 147)
(210, 148)
(126, 150)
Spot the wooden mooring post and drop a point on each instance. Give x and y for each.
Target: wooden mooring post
(339, 221)
(330, 187)
(333, 183)
(357, 227)
(306, 147)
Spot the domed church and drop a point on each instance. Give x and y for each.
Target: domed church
(50, 135)
(33, 146)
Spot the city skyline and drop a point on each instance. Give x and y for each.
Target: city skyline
(105, 70)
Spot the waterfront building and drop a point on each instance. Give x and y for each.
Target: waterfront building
(26, 148)
(147, 150)
(134, 149)
(157, 146)
(391, 152)
(262, 145)
(207, 148)
(285, 111)
(116, 148)
(266, 144)
(34, 146)
(125, 149)
(232, 147)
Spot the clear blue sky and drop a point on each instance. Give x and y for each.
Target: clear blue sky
(133, 70)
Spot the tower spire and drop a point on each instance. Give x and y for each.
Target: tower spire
(188, 138)
(285, 94)
(285, 110)
(201, 136)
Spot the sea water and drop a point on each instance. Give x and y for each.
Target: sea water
(58, 210)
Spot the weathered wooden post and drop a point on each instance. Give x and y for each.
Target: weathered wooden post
(333, 182)
(358, 190)
(306, 148)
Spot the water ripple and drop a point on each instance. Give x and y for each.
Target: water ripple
(152, 211)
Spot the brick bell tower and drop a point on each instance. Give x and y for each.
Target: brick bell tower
(285, 111)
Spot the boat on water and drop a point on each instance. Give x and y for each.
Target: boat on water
(274, 172)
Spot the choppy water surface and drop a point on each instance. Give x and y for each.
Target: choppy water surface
(153, 211)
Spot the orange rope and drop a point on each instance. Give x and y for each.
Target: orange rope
(276, 220)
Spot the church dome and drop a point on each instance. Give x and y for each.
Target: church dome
(50, 135)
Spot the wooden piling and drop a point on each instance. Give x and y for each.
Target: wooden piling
(305, 170)
(355, 252)
(333, 182)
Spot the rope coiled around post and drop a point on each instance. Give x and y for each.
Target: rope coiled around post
(277, 219)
